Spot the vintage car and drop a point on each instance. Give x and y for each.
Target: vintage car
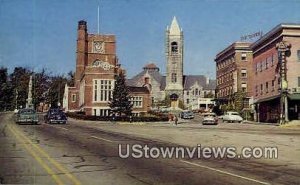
(55, 116)
(186, 114)
(232, 117)
(26, 116)
(209, 119)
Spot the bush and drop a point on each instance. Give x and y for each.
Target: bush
(117, 118)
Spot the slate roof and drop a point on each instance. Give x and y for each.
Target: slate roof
(155, 74)
(190, 80)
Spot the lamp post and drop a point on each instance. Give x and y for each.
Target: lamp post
(283, 48)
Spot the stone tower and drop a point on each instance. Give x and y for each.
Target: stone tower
(174, 59)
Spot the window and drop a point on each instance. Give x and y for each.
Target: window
(267, 87)
(256, 90)
(187, 101)
(273, 85)
(244, 87)
(196, 92)
(298, 55)
(103, 90)
(261, 88)
(73, 97)
(187, 92)
(267, 63)
(244, 73)
(174, 78)
(174, 47)
(298, 81)
(244, 56)
(137, 101)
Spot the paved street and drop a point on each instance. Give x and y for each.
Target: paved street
(85, 152)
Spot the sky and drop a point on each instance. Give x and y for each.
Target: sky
(42, 33)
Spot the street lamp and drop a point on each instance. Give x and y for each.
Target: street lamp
(283, 49)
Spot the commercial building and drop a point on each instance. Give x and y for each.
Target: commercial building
(234, 75)
(274, 78)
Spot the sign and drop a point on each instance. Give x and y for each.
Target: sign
(252, 36)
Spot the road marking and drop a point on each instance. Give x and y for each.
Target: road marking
(38, 159)
(224, 172)
(52, 161)
(100, 138)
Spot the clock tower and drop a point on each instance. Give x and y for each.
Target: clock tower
(174, 60)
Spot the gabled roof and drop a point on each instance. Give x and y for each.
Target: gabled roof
(190, 80)
(155, 74)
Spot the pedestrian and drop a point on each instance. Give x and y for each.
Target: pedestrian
(175, 119)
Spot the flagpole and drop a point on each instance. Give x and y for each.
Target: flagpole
(98, 19)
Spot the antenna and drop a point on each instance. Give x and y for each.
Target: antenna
(98, 18)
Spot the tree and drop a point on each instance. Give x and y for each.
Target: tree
(56, 90)
(6, 95)
(120, 103)
(19, 80)
(41, 82)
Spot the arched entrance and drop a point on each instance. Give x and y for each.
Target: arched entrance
(174, 100)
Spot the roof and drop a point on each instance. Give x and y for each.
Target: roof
(155, 74)
(138, 89)
(150, 66)
(274, 31)
(174, 28)
(190, 80)
(234, 46)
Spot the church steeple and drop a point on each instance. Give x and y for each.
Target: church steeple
(174, 28)
(174, 59)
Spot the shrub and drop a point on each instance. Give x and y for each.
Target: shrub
(117, 118)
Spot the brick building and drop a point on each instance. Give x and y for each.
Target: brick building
(96, 68)
(266, 79)
(234, 73)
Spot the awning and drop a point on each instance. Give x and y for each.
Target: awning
(295, 96)
(267, 99)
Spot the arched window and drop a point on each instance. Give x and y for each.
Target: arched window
(174, 47)
(174, 78)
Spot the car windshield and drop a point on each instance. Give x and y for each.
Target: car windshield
(235, 113)
(27, 111)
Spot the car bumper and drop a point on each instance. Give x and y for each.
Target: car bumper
(209, 122)
(27, 121)
(57, 121)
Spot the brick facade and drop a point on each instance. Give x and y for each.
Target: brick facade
(96, 68)
(266, 87)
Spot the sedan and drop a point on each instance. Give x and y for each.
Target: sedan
(26, 116)
(210, 119)
(232, 117)
(55, 116)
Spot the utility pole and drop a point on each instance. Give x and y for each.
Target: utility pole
(283, 48)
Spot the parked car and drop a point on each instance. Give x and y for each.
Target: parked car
(187, 115)
(55, 116)
(209, 119)
(26, 116)
(232, 117)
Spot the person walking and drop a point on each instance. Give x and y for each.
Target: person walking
(175, 119)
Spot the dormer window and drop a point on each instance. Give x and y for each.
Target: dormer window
(174, 47)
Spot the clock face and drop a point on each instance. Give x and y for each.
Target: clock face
(98, 47)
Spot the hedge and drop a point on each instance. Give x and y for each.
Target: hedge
(119, 118)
